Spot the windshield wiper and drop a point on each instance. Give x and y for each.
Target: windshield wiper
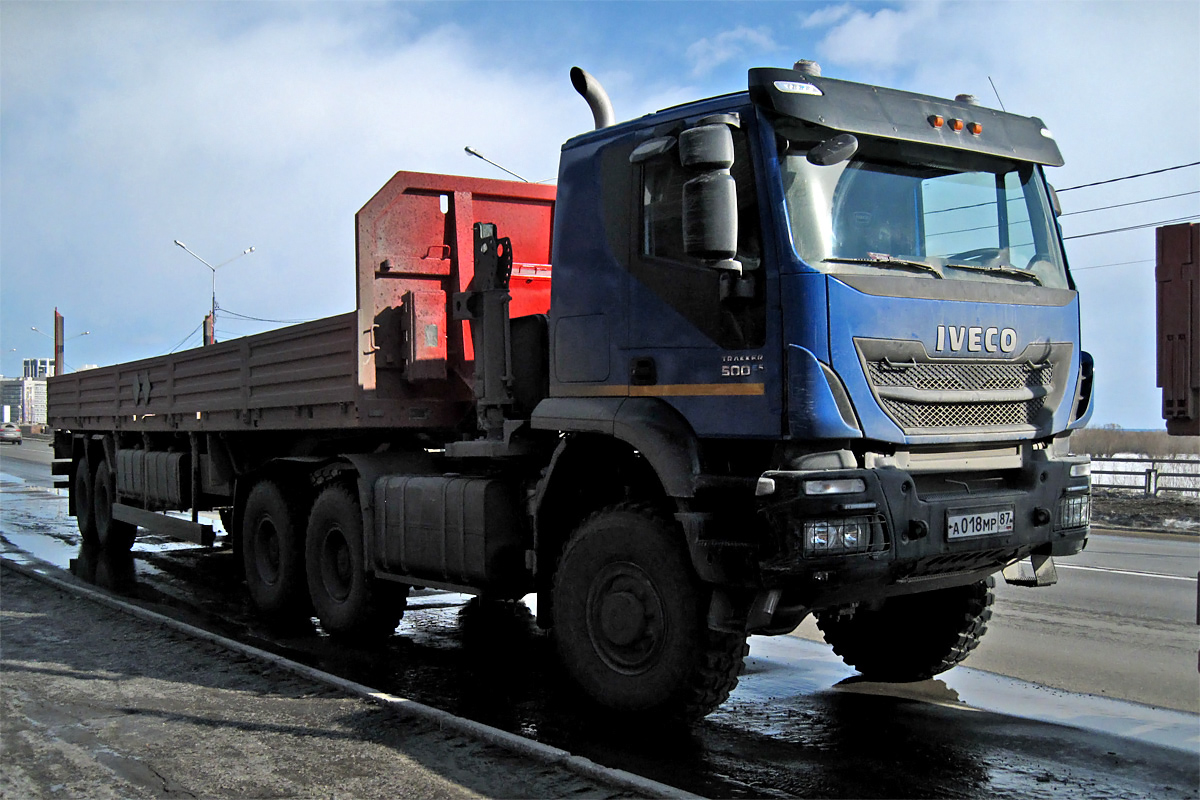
(999, 270)
(881, 260)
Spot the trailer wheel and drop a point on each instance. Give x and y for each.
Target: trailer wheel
(629, 619)
(349, 601)
(911, 637)
(273, 553)
(114, 535)
(81, 491)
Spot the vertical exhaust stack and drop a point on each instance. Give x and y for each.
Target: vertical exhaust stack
(597, 98)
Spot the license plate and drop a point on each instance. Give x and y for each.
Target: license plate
(962, 524)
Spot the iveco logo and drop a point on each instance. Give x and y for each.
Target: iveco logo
(991, 340)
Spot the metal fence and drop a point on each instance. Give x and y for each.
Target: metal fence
(1151, 475)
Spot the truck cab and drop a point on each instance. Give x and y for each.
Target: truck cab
(850, 308)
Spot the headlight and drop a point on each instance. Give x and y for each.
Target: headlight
(1080, 470)
(835, 486)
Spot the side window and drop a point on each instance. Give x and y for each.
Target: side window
(662, 208)
(1021, 244)
(727, 307)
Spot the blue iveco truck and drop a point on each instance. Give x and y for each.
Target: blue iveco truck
(810, 348)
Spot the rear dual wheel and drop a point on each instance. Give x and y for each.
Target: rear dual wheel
(113, 534)
(273, 553)
(81, 493)
(349, 601)
(94, 493)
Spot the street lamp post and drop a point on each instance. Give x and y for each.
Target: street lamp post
(57, 343)
(214, 277)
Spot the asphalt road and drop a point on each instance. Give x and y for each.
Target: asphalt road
(795, 726)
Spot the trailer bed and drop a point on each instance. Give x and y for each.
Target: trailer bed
(399, 361)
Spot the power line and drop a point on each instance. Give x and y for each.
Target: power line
(1134, 203)
(1132, 227)
(1127, 177)
(184, 339)
(1115, 264)
(261, 319)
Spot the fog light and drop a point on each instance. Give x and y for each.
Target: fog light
(1074, 512)
(835, 486)
(829, 536)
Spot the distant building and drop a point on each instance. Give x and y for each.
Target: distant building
(38, 368)
(25, 399)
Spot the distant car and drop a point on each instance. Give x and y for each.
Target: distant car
(10, 433)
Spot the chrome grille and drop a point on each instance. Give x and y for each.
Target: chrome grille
(952, 377)
(926, 395)
(962, 415)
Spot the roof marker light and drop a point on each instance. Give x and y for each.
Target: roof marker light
(937, 120)
(975, 128)
(955, 125)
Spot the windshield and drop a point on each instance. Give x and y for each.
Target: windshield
(931, 213)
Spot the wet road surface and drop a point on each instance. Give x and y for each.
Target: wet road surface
(800, 723)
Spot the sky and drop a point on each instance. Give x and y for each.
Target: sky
(125, 126)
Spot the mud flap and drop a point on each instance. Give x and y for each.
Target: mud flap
(1036, 570)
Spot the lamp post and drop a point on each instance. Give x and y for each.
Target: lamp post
(247, 251)
(59, 343)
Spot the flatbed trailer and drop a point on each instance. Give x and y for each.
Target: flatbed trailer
(813, 349)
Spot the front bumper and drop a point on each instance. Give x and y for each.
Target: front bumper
(905, 532)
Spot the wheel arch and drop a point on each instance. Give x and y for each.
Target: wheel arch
(612, 450)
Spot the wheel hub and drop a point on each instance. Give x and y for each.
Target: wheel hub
(622, 618)
(625, 616)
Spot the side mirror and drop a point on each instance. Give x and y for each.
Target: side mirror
(833, 151)
(706, 147)
(710, 218)
(1054, 201)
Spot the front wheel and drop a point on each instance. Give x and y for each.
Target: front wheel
(349, 601)
(911, 637)
(629, 619)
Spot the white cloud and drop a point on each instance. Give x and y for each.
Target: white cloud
(826, 16)
(884, 38)
(710, 52)
(123, 132)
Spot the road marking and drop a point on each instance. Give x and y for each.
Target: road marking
(1126, 572)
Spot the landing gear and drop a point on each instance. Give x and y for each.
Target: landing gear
(629, 619)
(911, 637)
(273, 553)
(348, 600)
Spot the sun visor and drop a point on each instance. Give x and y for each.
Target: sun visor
(858, 108)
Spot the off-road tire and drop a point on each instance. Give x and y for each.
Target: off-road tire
(113, 535)
(349, 601)
(272, 546)
(81, 493)
(630, 619)
(911, 637)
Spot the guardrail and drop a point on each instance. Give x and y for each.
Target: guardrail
(1147, 473)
